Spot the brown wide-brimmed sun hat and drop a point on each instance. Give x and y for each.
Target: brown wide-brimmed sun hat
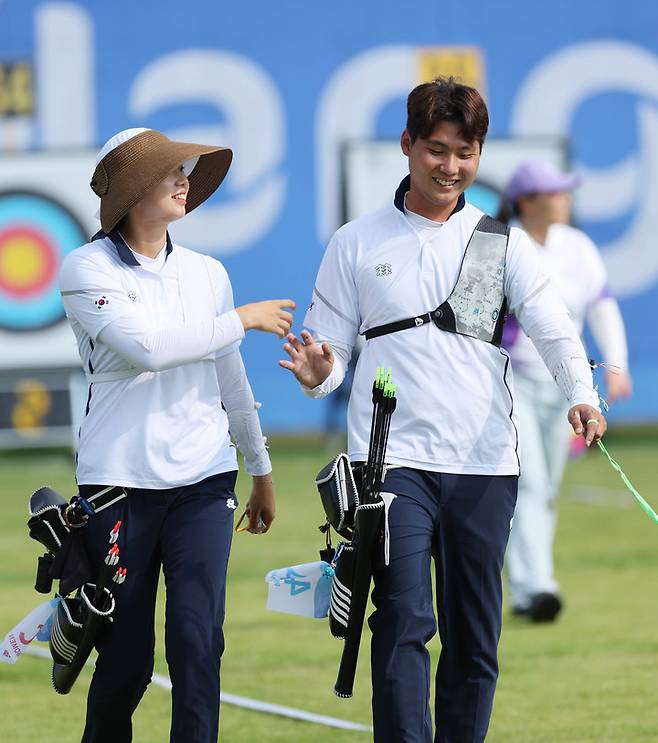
(131, 164)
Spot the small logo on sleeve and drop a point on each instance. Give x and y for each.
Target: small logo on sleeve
(230, 503)
(132, 295)
(101, 302)
(383, 269)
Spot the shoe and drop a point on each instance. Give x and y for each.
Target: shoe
(544, 607)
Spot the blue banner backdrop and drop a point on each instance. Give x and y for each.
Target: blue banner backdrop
(286, 84)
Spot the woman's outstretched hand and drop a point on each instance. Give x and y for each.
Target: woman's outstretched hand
(268, 316)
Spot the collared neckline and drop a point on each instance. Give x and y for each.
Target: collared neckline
(405, 186)
(125, 253)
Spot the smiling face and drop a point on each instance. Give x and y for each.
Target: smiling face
(442, 166)
(165, 202)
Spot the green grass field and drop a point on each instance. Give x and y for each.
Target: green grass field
(591, 677)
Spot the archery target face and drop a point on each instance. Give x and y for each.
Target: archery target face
(36, 233)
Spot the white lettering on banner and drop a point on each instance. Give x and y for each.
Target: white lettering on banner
(241, 90)
(546, 103)
(348, 109)
(255, 129)
(65, 75)
(65, 112)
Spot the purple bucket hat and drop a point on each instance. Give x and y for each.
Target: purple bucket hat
(538, 176)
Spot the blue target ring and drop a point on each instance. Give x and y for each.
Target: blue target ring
(36, 233)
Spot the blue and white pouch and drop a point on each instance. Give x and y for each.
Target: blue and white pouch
(304, 590)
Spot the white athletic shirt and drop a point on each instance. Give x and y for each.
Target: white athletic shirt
(150, 333)
(577, 272)
(454, 410)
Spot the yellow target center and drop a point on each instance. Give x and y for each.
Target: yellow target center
(21, 262)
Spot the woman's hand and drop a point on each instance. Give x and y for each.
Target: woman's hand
(617, 385)
(310, 362)
(261, 508)
(268, 316)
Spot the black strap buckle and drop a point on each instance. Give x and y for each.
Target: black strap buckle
(394, 327)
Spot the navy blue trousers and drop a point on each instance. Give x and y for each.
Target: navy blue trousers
(462, 522)
(187, 531)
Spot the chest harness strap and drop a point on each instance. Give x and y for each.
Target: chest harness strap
(476, 306)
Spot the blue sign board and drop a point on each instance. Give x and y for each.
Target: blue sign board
(287, 84)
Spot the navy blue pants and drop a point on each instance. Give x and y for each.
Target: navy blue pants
(462, 522)
(188, 531)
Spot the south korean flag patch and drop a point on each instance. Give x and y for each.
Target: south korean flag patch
(101, 302)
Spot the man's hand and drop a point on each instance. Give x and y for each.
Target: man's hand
(589, 421)
(617, 385)
(261, 507)
(310, 362)
(268, 316)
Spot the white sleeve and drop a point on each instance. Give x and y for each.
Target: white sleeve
(593, 274)
(95, 297)
(607, 326)
(92, 293)
(334, 309)
(165, 349)
(561, 349)
(333, 315)
(223, 298)
(241, 409)
(544, 318)
(342, 354)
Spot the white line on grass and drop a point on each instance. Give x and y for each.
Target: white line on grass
(244, 702)
(598, 496)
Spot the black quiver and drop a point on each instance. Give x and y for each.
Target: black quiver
(79, 619)
(341, 589)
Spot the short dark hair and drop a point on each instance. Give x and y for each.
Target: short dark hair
(444, 99)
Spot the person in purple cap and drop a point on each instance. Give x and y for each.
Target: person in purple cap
(539, 196)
